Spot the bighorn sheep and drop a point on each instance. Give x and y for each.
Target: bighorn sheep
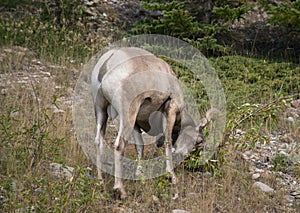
(140, 88)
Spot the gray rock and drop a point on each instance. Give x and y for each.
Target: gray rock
(263, 187)
(295, 103)
(255, 176)
(193, 194)
(155, 198)
(4, 91)
(180, 211)
(58, 111)
(60, 170)
(290, 119)
(295, 193)
(283, 153)
(289, 198)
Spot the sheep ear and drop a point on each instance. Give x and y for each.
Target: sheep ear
(202, 125)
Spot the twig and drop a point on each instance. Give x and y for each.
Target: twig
(255, 112)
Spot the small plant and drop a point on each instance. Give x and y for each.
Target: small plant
(280, 162)
(27, 144)
(213, 164)
(256, 119)
(163, 187)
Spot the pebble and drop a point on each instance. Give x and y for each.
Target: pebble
(255, 176)
(290, 119)
(295, 193)
(119, 209)
(259, 170)
(283, 153)
(180, 211)
(263, 187)
(289, 198)
(155, 198)
(193, 194)
(4, 91)
(57, 111)
(60, 170)
(295, 103)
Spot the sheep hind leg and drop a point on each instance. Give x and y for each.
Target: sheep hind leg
(99, 141)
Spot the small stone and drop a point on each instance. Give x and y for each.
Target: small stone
(119, 209)
(155, 199)
(295, 193)
(289, 198)
(48, 74)
(259, 170)
(14, 114)
(207, 175)
(273, 142)
(248, 153)
(283, 153)
(295, 103)
(290, 119)
(263, 187)
(91, 13)
(2, 199)
(176, 196)
(240, 132)
(38, 190)
(57, 111)
(4, 91)
(193, 194)
(180, 211)
(89, 3)
(255, 176)
(60, 170)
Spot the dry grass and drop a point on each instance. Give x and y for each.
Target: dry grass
(26, 184)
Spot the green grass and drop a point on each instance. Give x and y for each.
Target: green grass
(58, 33)
(35, 134)
(250, 80)
(31, 136)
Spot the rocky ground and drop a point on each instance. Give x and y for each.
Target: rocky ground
(21, 71)
(278, 156)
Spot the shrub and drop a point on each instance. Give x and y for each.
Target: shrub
(181, 19)
(175, 20)
(286, 13)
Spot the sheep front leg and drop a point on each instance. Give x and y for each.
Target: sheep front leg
(171, 118)
(119, 153)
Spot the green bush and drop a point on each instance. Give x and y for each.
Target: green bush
(286, 13)
(175, 20)
(180, 19)
(25, 145)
